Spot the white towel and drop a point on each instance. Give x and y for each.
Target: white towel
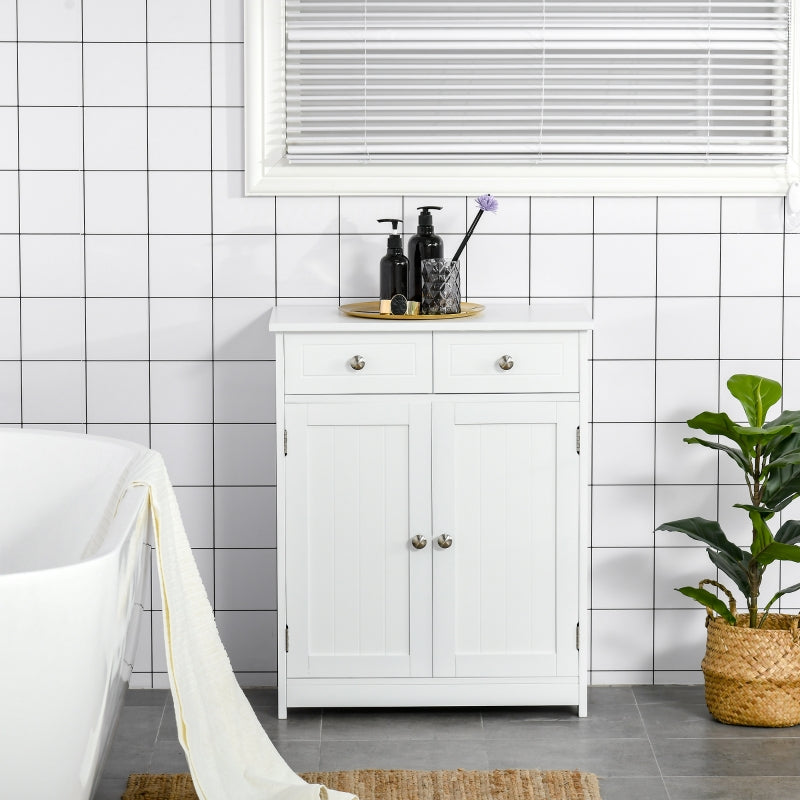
(229, 754)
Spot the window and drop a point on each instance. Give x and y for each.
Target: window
(530, 97)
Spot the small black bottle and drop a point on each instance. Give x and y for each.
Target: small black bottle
(394, 273)
(425, 244)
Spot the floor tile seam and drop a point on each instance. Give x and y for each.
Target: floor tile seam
(652, 749)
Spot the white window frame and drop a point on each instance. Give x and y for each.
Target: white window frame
(267, 172)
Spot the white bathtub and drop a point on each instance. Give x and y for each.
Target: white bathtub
(72, 568)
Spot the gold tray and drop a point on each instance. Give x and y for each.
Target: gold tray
(370, 310)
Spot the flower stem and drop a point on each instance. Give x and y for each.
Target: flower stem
(468, 234)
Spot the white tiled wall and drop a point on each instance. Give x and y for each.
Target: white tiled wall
(135, 280)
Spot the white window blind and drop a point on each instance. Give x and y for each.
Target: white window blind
(529, 82)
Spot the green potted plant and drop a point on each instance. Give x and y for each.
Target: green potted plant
(752, 661)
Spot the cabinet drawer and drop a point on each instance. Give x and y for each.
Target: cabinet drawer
(536, 362)
(389, 363)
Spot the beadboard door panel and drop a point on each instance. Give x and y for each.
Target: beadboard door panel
(506, 488)
(351, 471)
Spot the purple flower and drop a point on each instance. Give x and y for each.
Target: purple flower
(487, 203)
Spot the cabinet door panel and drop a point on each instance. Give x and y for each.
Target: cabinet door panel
(352, 576)
(506, 489)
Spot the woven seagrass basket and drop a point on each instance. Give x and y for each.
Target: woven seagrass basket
(752, 675)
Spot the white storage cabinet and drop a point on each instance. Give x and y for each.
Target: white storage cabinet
(432, 508)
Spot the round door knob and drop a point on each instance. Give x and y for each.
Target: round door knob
(418, 542)
(445, 541)
(506, 362)
(357, 363)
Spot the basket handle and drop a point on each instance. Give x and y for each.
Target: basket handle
(731, 598)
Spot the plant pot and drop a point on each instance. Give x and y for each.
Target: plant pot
(752, 675)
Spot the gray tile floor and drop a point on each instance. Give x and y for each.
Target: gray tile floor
(644, 742)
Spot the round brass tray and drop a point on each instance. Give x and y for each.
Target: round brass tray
(370, 310)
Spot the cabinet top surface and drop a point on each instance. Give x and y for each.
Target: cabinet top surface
(495, 317)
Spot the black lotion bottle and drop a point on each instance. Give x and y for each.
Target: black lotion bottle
(394, 273)
(425, 244)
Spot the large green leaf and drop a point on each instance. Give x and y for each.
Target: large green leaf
(735, 570)
(756, 394)
(737, 455)
(762, 535)
(764, 512)
(704, 530)
(709, 600)
(789, 532)
(781, 488)
(720, 424)
(777, 551)
(789, 460)
(777, 596)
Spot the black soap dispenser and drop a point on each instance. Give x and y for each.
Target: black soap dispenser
(394, 274)
(425, 244)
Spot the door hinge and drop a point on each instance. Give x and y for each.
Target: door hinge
(578, 439)
(285, 442)
(578, 636)
(287, 638)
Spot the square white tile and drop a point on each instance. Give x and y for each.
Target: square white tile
(181, 391)
(117, 392)
(512, 216)
(197, 512)
(735, 521)
(180, 266)
(53, 392)
(115, 74)
(240, 329)
(235, 213)
(53, 328)
(680, 462)
(244, 391)
(624, 265)
(50, 138)
(680, 501)
(497, 265)
(115, 138)
(8, 21)
(562, 215)
(752, 214)
(114, 20)
(250, 637)
(10, 393)
(307, 266)
(624, 327)
(51, 202)
(561, 265)
(752, 264)
(178, 20)
(9, 202)
(622, 516)
(622, 639)
(360, 258)
(307, 215)
(179, 74)
(688, 214)
(241, 579)
(116, 266)
(454, 217)
(685, 388)
(688, 264)
(791, 328)
(187, 452)
(244, 455)
(227, 21)
(49, 20)
(625, 215)
(180, 328)
(623, 453)
(179, 138)
(116, 202)
(676, 567)
(622, 577)
(180, 202)
(687, 327)
(49, 74)
(9, 265)
(791, 270)
(679, 641)
(52, 265)
(244, 266)
(227, 139)
(227, 74)
(9, 328)
(117, 328)
(361, 214)
(737, 340)
(623, 391)
(8, 70)
(245, 516)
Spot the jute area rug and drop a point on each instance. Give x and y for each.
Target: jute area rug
(401, 784)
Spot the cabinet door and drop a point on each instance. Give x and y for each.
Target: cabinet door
(506, 489)
(357, 490)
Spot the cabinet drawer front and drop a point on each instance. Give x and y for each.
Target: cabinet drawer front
(357, 364)
(534, 362)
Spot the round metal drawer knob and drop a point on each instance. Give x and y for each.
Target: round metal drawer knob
(418, 542)
(357, 363)
(505, 362)
(445, 541)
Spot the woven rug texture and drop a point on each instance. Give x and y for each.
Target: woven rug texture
(402, 784)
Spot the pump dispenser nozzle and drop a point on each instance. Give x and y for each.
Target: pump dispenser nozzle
(426, 218)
